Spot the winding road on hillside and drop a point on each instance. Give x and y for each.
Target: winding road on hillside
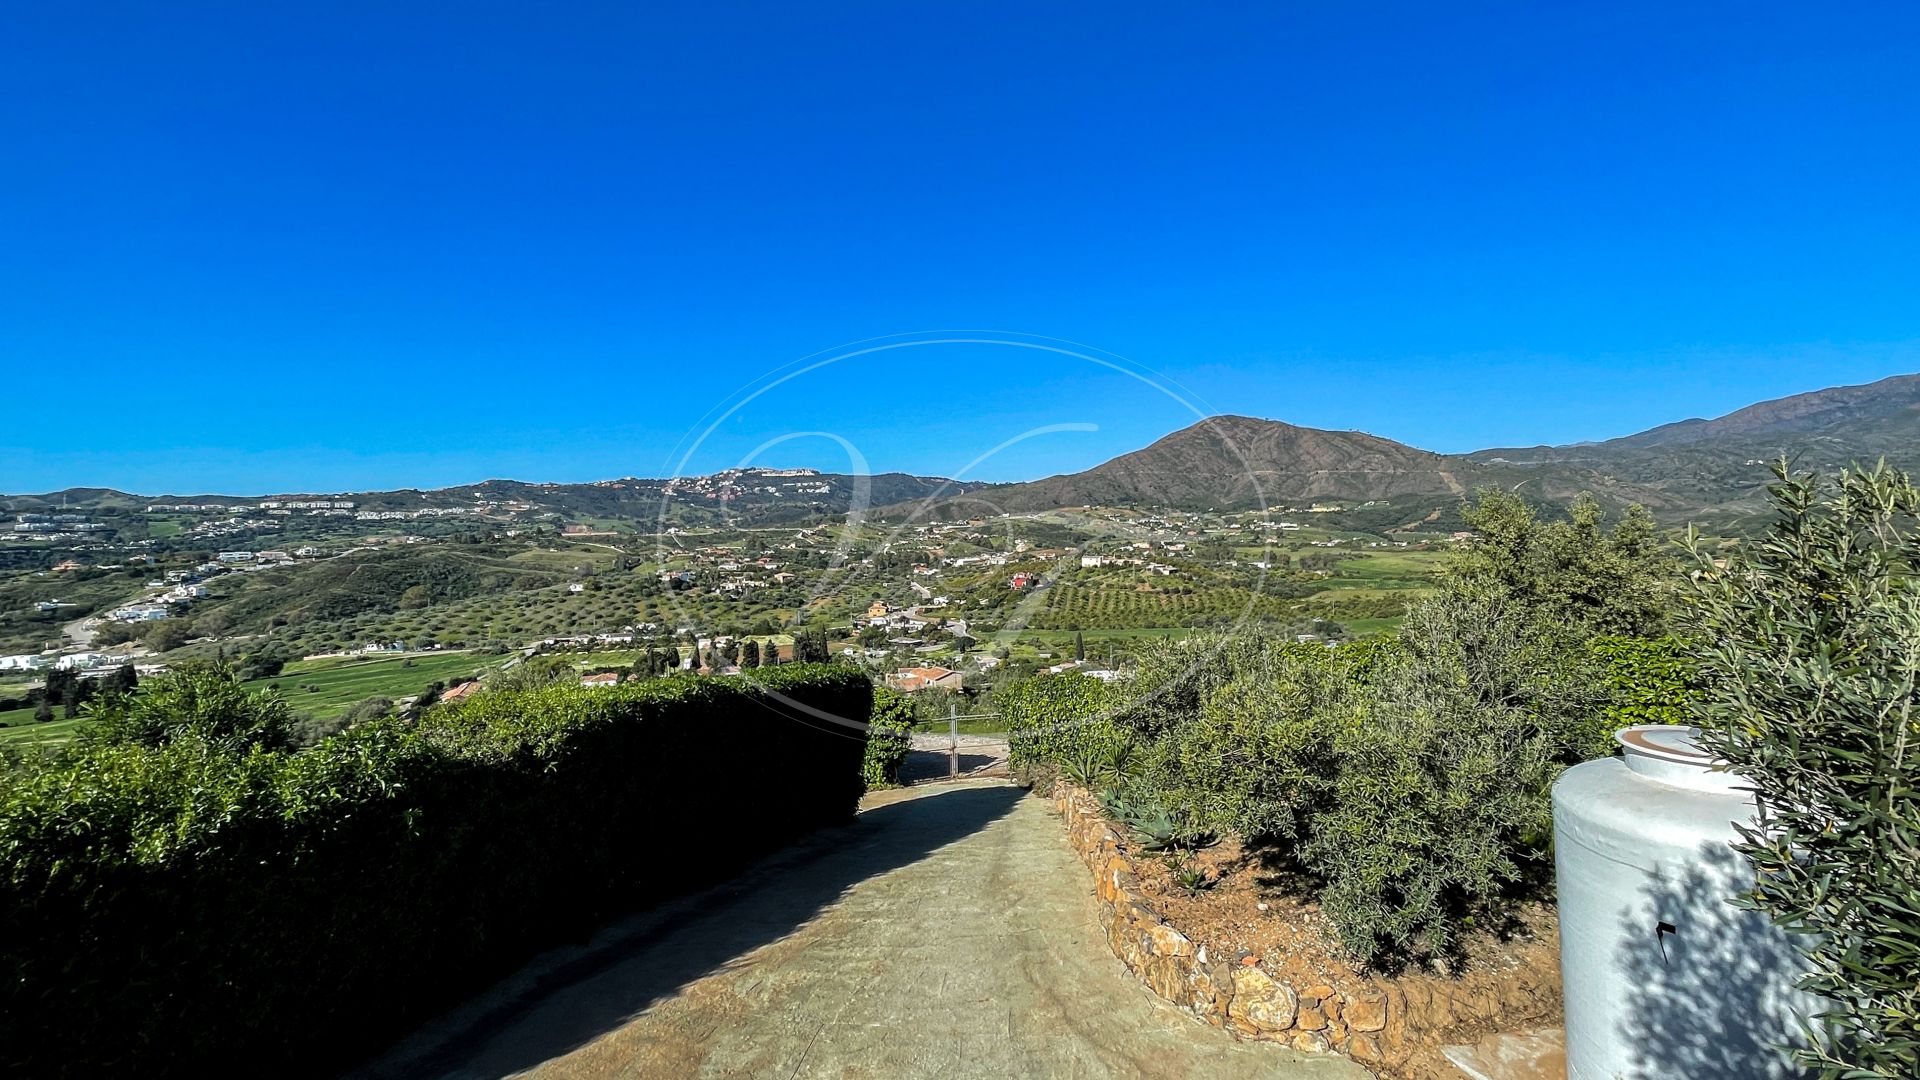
(948, 932)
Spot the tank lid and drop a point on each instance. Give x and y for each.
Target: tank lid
(1672, 754)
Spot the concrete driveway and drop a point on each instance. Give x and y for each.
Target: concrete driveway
(949, 932)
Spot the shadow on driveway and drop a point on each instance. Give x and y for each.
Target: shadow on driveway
(639, 961)
(923, 765)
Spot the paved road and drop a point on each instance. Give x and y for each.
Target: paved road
(950, 932)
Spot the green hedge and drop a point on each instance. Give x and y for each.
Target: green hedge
(180, 909)
(1052, 717)
(889, 738)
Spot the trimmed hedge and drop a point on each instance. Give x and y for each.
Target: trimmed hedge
(1052, 717)
(889, 738)
(182, 909)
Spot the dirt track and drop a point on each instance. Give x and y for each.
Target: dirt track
(949, 932)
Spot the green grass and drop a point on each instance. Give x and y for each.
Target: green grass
(989, 725)
(343, 682)
(1408, 565)
(1364, 627)
(21, 731)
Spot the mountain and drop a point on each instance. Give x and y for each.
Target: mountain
(1716, 471)
(1240, 461)
(1711, 471)
(1854, 415)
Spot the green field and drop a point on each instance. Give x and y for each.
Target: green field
(330, 686)
(336, 685)
(22, 731)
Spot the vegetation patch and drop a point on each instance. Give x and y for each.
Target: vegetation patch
(187, 891)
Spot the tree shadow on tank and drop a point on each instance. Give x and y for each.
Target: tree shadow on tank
(1708, 983)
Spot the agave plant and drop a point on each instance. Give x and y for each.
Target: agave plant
(1192, 879)
(1156, 829)
(1086, 768)
(1122, 762)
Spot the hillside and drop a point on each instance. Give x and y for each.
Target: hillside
(741, 496)
(1711, 471)
(1715, 470)
(1240, 462)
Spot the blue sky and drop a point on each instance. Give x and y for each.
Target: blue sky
(264, 247)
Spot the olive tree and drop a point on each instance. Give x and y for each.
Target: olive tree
(1811, 654)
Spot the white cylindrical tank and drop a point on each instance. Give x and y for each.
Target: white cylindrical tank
(1664, 978)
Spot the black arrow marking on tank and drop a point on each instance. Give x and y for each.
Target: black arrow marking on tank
(1660, 932)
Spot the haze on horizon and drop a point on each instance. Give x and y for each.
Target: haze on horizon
(255, 250)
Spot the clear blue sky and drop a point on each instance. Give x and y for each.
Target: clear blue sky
(260, 247)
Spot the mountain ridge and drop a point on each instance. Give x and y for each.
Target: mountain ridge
(1232, 461)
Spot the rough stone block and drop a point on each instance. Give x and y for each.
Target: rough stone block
(1366, 1048)
(1167, 941)
(1310, 1042)
(1368, 1013)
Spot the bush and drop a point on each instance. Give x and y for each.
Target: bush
(1050, 718)
(889, 738)
(1255, 755)
(1571, 574)
(202, 700)
(183, 907)
(1810, 674)
(1648, 681)
(1436, 810)
(1408, 780)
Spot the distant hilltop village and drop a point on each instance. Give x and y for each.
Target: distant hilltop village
(339, 508)
(733, 483)
(220, 508)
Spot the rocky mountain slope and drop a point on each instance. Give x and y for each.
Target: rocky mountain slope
(1717, 470)
(1239, 461)
(1712, 471)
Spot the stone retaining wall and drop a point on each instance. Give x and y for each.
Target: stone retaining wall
(1388, 1024)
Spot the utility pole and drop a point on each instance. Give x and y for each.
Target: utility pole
(953, 741)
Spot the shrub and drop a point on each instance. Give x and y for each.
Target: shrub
(1257, 754)
(1648, 681)
(1572, 574)
(186, 906)
(889, 738)
(1408, 780)
(1811, 666)
(202, 700)
(1437, 809)
(1052, 717)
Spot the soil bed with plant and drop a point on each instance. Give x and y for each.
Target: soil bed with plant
(1213, 931)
